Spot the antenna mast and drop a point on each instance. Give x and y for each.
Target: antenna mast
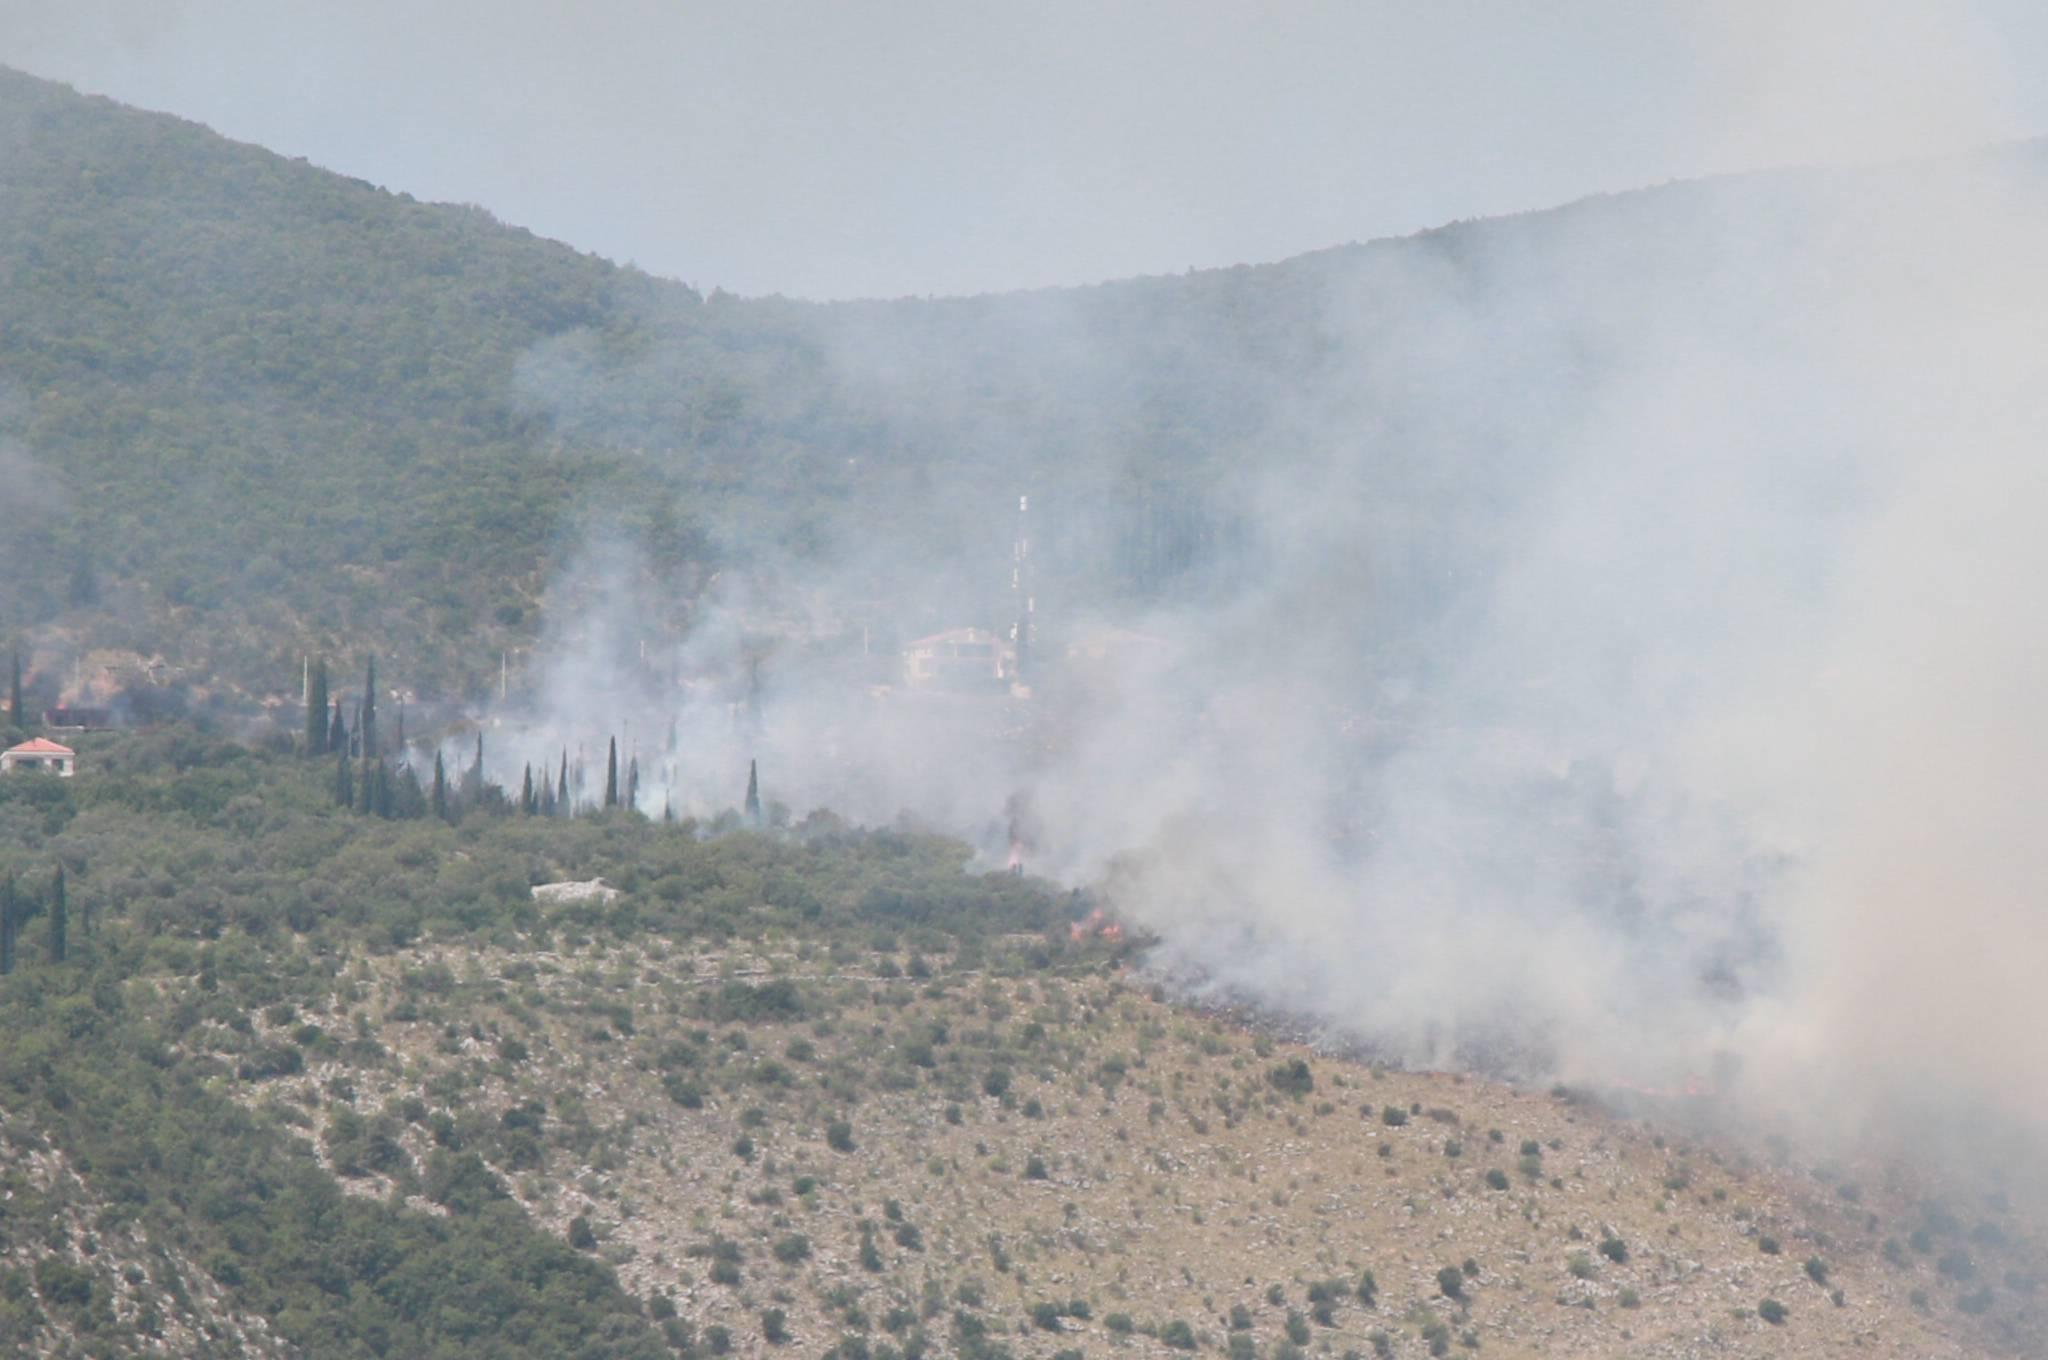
(1023, 604)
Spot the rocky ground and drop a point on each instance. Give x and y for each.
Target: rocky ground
(882, 1154)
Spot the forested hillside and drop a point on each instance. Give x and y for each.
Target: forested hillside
(249, 408)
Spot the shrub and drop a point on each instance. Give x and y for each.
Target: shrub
(1614, 1249)
(726, 1273)
(580, 1235)
(1297, 1327)
(1120, 1324)
(63, 1283)
(1240, 1318)
(774, 1326)
(1292, 1078)
(1580, 1265)
(839, 1136)
(1768, 1245)
(1816, 1270)
(1034, 1168)
(1451, 1281)
(1497, 1178)
(1630, 1299)
(1393, 1116)
(1771, 1311)
(1178, 1335)
(791, 1249)
(1045, 1316)
(1368, 1289)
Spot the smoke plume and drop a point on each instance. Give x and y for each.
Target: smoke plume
(1597, 645)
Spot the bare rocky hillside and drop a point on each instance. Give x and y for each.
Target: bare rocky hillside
(887, 1155)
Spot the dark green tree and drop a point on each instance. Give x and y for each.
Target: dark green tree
(633, 784)
(337, 733)
(367, 727)
(344, 780)
(437, 802)
(59, 946)
(408, 800)
(611, 776)
(526, 804)
(562, 803)
(753, 794)
(9, 919)
(316, 708)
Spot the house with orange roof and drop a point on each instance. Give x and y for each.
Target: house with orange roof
(41, 756)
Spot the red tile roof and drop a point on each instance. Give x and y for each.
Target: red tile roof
(40, 746)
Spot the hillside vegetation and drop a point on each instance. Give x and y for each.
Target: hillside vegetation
(310, 1082)
(251, 409)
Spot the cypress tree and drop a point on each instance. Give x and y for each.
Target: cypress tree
(367, 727)
(563, 805)
(753, 794)
(633, 784)
(8, 919)
(438, 803)
(366, 789)
(611, 775)
(58, 922)
(526, 790)
(316, 709)
(337, 732)
(408, 800)
(344, 780)
(380, 790)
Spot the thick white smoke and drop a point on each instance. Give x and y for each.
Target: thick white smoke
(1626, 665)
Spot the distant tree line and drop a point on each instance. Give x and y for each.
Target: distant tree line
(368, 782)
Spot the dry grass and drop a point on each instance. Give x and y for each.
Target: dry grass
(1140, 1159)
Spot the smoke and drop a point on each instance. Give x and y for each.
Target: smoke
(1599, 645)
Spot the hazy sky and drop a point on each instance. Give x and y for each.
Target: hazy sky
(940, 146)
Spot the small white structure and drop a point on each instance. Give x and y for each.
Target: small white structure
(40, 755)
(594, 890)
(959, 659)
